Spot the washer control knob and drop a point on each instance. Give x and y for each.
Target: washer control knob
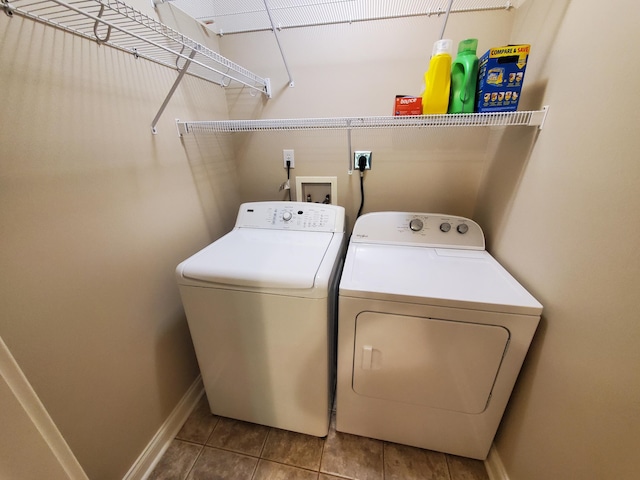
(463, 228)
(416, 225)
(286, 216)
(445, 227)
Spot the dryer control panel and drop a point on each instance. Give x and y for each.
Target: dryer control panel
(313, 217)
(419, 229)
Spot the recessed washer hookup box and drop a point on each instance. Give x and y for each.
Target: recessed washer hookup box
(500, 78)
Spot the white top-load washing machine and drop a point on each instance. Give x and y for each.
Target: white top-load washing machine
(261, 307)
(432, 333)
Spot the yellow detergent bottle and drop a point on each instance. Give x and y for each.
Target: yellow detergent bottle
(437, 79)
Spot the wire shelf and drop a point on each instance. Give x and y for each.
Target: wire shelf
(242, 16)
(533, 118)
(116, 24)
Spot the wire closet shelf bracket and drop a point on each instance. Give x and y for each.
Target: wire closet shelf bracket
(116, 24)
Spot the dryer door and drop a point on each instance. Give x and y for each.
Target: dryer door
(438, 363)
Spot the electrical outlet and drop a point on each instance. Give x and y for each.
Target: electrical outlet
(288, 155)
(356, 159)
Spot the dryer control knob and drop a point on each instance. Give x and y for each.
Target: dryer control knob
(416, 225)
(445, 227)
(463, 228)
(286, 216)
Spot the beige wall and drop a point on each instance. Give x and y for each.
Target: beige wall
(22, 436)
(550, 203)
(21, 441)
(95, 213)
(565, 223)
(352, 70)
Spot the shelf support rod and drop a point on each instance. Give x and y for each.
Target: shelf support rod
(349, 147)
(148, 41)
(275, 33)
(182, 71)
(446, 18)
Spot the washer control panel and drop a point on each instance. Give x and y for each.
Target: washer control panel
(419, 229)
(314, 217)
(416, 224)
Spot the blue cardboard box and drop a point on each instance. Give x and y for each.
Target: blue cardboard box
(500, 78)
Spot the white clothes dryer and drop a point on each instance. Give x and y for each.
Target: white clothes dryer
(432, 333)
(261, 307)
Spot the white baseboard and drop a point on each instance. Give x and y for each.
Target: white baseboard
(151, 455)
(53, 451)
(495, 467)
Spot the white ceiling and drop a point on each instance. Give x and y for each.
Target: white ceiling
(237, 16)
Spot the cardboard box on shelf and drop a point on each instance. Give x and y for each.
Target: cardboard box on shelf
(500, 78)
(407, 105)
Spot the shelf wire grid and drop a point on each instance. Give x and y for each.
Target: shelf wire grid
(491, 119)
(243, 16)
(116, 24)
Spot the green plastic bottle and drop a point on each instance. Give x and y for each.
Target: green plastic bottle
(437, 79)
(464, 78)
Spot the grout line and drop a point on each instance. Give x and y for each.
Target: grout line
(223, 449)
(294, 466)
(191, 442)
(255, 469)
(266, 439)
(259, 457)
(384, 473)
(188, 472)
(324, 442)
(212, 431)
(446, 459)
(264, 443)
(322, 456)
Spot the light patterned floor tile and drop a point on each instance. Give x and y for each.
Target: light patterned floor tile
(176, 461)
(200, 423)
(294, 449)
(233, 448)
(215, 464)
(351, 456)
(276, 471)
(402, 462)
(462, 468)
(241, 437)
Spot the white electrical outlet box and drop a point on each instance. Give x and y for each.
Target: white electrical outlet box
(317, 190)
(287, 155)
(356, 159)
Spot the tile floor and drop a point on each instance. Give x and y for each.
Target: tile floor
(216, 448)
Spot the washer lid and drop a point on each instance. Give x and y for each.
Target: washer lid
(435, 276)
(260, 258)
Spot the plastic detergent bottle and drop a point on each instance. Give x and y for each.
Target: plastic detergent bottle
(437, 80)
(464, 78)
